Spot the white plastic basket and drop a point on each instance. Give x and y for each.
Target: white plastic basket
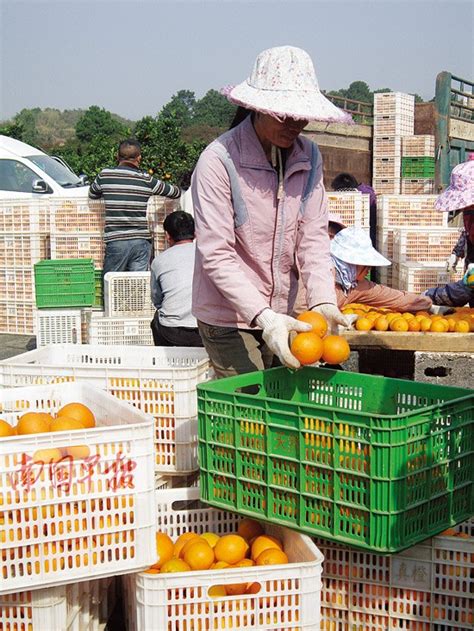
(161, 381)
(429, 587)
(396, 211)
(418, 146)
(289, 596)
(386, 186)
(58, 326)
(394, 124)
(77, 215)
(422, 186)
(117, 331)
(387, 146)
(394, 103)
(419, 244)
(17, 283)
(23, 250)
(352, 208)
(386, 167)
(127, 294)
(18, 316)
(79, 518)
(419, 277)
(25, 216)
(78, 245)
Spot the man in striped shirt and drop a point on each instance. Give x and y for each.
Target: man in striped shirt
(126, 191)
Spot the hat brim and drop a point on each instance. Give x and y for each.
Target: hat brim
(370, 257)
(297, 104)
(452, 199)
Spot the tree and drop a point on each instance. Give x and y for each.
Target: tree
(27, 120)
(213, 110)
(12, 129)
(181, 106)
(96, 122)
(359, 91)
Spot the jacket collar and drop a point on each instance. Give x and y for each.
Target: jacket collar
(253, 156)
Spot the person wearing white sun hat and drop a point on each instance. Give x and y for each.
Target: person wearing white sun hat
(261, 215)
(353, 255)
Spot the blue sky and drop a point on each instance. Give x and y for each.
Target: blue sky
(132, 56)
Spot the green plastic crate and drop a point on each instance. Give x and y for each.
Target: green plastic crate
(99, 289)
(423, 167)
(374, 462)
(65, 283)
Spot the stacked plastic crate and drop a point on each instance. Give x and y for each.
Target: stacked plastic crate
(394, 117)
(353, 208)
(418, 164)
(421, 230)
(158, 208)
(24, 240)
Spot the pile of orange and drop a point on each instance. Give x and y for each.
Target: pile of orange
(383, 319)
(248, 547)
(71, 417)
(315, 345)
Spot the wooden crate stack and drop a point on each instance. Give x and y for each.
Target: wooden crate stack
(394, 117)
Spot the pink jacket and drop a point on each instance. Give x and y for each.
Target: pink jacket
(249, 243)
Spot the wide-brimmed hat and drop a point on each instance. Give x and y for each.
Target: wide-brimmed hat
(460, 192)
(283, 83)
(353, 245)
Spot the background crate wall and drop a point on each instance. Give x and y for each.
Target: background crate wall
(16, 284)
(409, 210)
(418, 146)
(417, 187)
(77, 215)
(67, 245)
(387, 146)
(352, 208)
(418, 277)
(386, 167)
(419, 244)
(127, 294)
(18, 316)
(426, 588)
(393, 124)
(23, 250)
(58, 326)
(386, 186)
(398, 103)
(28, 217)
(59, 534)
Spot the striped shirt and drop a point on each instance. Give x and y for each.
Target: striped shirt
(126, 191)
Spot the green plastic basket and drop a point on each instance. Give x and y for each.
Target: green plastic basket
(65, 283)
(423, 167)
(374, 462)
(99, 289)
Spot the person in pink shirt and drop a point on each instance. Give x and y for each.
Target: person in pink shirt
(261, 219)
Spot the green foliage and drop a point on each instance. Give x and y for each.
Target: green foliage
(213, 110)
(13, 130)
(98, 122)
(27, 120)
(180, 107)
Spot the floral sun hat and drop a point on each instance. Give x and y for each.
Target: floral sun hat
(353, 245)
(460, 192)
(283, 83)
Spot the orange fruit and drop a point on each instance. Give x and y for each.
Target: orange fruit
(407, 315)
(47, 456)
(271, 556)
(451, 323)
(65, 423)
(470, 279)
(425, 324)
(414, 325)
(34, 423)
(253, 588)
(219, 565)
(244, 563)
(461, 326)
(392, 315)
(335, 349)
(307, 347)
(437, 326)
(235, 589)
(231, 548)
(6, 429)
(381, 323)
(317, 321)
(262, 543)
(164, 549)
(80, 412)
(216, 591)
(174, 565)
(249, 528)
(181, 542)
(198, 554)
(398, 324)
(77, 452)
(364, 324)
(211, 538)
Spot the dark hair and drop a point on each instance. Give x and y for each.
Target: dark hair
(129, 149)
(334, 227)
(344, 181)
(179, 225)
(240, 115)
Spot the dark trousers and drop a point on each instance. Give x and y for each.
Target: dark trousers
(174, 335)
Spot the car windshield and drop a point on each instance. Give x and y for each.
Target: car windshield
(56, 170)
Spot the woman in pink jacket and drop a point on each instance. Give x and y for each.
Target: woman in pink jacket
(261, 214)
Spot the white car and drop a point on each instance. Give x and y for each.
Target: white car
(27, 172)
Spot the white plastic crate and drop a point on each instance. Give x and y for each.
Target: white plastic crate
(58, 326)
(386, 186)
(394, 124)
(25, 216)
(352, 207)
(429, 587)
(418, 146)
(78, 245)
(387, 167)
(420, 244)
(130, 331)
(77, 215)
(387, 146)
(17, 283)
(394, 103)
(418, 277)
(289, 596)
(409, 210)
(23, 250)
(422, 186)
(75, 519)
(18, 316)
(161, 381)
(160, 242)
(127, 294)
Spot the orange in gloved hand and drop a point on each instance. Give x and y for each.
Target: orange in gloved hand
(307, 347)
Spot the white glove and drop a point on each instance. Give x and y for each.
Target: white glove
(276, 329)
(351, 318)
(451, 263)
(333, 317)
(440, 309)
